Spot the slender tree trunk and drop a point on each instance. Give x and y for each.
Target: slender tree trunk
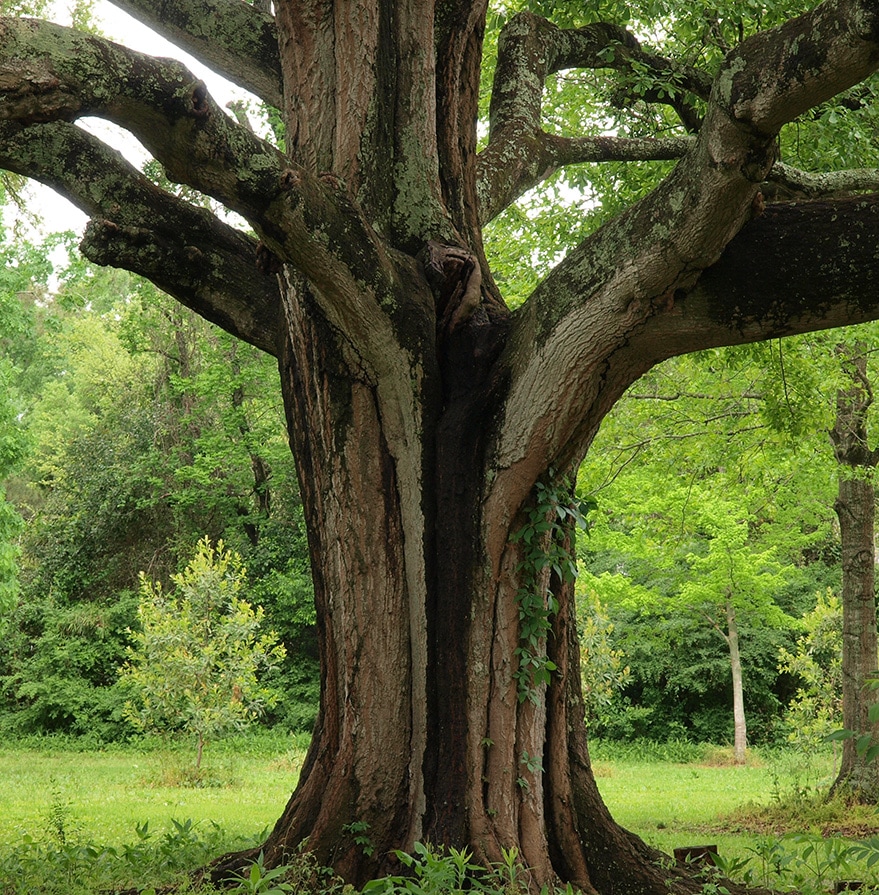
(740, 727)
(855, 507)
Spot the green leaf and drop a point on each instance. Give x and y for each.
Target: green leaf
(838, 735)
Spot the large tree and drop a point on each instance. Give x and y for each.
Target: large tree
(423, 412)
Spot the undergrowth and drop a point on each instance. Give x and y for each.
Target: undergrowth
(798, 862)
(802, 863)
(647, 751)
(64, 865)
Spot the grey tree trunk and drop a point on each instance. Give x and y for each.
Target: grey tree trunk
(740, 741)
(855, 507)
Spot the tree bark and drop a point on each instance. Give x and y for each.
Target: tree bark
(855, 507)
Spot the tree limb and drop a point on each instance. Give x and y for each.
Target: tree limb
(793, 183)
(232, 38)
(520, 153)
(51, 73)
(796, 267)
(628, 278)
(538, 157)
(185, 250)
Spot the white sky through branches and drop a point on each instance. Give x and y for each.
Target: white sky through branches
(57, 213)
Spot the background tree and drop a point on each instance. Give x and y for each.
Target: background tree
(816, 661)
(99, 377)
(422, 409)
(23, 267)
(603, 670)
(196, 659)
(685, 571)
(726, 582)
(824, 382)
(856, 508)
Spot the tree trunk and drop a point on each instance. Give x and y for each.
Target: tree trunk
(423, 734)
(740, 727)
(855, 507)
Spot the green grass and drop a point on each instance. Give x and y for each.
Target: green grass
(57, 800)
(102, 796)
(674, 804)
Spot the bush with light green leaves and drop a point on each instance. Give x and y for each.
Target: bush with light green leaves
(196, 663)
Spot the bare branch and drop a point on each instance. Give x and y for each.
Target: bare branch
(501, 183)
(185, 250)
(816, 262)
(796, 268)
(232, 38)
(52, 73)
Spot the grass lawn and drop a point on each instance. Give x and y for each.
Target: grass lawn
(672, 804)
(52, 793)
(101, 796)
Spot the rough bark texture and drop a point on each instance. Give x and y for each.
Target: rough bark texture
(855, 507)
(422, 411)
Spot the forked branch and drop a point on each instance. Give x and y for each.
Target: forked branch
(185, 250)
(638, 270)
(520, 153)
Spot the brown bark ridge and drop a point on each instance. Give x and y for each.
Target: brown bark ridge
(855, 506)
(426, 416)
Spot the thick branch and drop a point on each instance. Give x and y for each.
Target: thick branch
(185, 250)
(805, 62)
(52, 73)
(792, 182)
(232, 38)
(795, 268)
(519, 152)
(460, 27)
(575, 327)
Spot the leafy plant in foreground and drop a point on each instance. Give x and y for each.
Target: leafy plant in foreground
(433, 872)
